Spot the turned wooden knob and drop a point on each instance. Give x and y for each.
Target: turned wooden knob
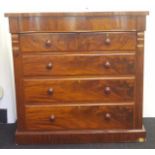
(107, 41)
(50, 91)
(107, 64)
(48, 43)
(107, 90)
(52, 118)
(107, 116)
(49, 65)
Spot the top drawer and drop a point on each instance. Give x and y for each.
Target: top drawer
(70, 42)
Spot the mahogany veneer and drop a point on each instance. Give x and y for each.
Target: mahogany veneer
(79, 76)
(71, 42)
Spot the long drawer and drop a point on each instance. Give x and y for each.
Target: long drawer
(76, 64)
(48, 118)
(69, 42)
(82, 90)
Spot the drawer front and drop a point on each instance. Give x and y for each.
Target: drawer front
(78, 90)
(78, 117)
(70, 65)
(43, 42)
(107, 41)
(70, 42)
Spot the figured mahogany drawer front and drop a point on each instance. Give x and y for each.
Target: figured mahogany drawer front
(79, 117)
(107, 41)
(40, 65)
(70, 42)
(78, 90)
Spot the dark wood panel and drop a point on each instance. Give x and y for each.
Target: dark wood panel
(74, 24)
(78, 90)
(68, 22)
(17, 57)
(80, 136)
(49, 42)
(139, 80)
(78, 117)
(107, 41)
(71, 42)
(93, 64)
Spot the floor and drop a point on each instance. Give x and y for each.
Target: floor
(7, 140)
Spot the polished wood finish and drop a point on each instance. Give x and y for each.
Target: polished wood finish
(18, 80)
(79, 76)
(139, 75)
(75, 22)
(79, 64)
(80, 136)
(57, 42)
(78, 90)
(45, 118)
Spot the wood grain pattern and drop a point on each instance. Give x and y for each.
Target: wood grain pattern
(78, 117)
(75, 22)
(80, 136)
(78, 90)
(79, 76)
(18, 80)
(139, 79)
(97, 41)
(84, 64)
(71, 42)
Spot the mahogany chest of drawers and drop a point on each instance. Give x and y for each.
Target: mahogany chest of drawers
(79, 76)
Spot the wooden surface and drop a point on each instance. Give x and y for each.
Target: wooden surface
(71, 42)
(78, 76)
(79, 64)
(38, 118)
(78, 90)
(77, 22)
(18, 80)
(58, 14)
(139, 82)
(80, 136)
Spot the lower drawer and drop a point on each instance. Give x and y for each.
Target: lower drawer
(79, 117)
(81, 90)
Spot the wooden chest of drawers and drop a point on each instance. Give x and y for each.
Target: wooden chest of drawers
(79, 76)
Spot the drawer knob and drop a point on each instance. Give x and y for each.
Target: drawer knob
(107, 41)
(52, 118)
(107, 90)
(48, 43)
(107, 64)
(49, 65)
(50, 91)
(107, 116)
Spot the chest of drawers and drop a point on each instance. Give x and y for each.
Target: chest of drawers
(79, 76)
